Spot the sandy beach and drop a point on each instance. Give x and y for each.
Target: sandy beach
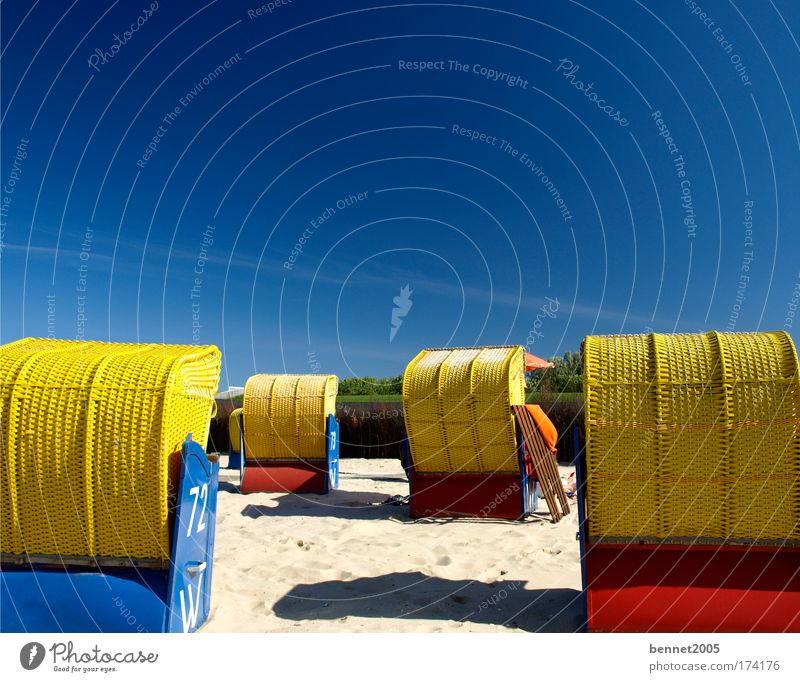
(351, 562)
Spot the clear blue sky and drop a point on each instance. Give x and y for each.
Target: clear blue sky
(156, 182)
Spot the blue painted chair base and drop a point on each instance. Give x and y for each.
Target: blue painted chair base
(55, 600)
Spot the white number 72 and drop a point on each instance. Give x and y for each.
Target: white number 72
(201, 493)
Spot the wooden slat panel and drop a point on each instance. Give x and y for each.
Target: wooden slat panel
(545, 465)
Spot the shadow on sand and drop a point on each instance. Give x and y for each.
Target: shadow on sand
(228, 487)
(342, 504)
(358, 505)
(419, 596)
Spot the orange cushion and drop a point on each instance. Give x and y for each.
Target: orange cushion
(545, 426)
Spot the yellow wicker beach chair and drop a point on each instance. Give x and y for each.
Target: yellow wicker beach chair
(692, 482)
(466, 452)
(289, 433)
(98, 469)
(235, 438)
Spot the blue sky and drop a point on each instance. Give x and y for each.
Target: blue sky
(268, 180)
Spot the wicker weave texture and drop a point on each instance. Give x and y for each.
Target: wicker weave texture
(234, 430)
(693, 437)
(457, 404)
(91, 432)
(285, 415)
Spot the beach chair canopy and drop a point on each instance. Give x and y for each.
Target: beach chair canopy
(285, 415)
(692, 437)
(457, 404)
(91, 443)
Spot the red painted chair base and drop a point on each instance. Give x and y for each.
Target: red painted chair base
(500, 496)
(285, 477)
(678, 588)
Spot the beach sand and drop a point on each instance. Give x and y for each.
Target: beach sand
(349, 562)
